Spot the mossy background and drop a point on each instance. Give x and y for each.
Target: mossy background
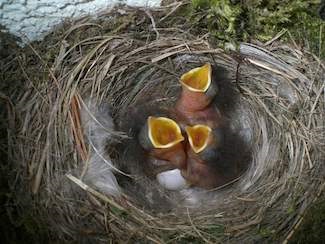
(232, 21)
(228, 22)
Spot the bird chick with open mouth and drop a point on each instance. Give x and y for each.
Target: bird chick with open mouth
(203, 157)
(194, 105)
(162, 138)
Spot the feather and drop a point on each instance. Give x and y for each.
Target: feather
(98, 127)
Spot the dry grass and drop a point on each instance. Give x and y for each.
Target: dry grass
(274, 104)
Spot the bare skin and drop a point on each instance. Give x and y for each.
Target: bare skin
(175, 155)
(200, 173)
(196, 108)
(160, 160)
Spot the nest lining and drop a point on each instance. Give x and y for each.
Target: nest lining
(273, 108)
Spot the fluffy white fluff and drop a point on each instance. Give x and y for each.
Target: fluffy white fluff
(98, 126)
(172, 180)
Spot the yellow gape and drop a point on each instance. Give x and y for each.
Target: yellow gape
(198, 79)
(198, 137)
(163, 132)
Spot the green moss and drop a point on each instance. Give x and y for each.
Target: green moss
(313, 225)
(216, 230)
(266, 232)
(188, 239)
(233, 21)
(118, 212)
(219, 17)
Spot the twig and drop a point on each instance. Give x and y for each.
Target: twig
(281, 33)
(194, 227)
(171, 12)
(166, 55)
(48, 68)
(264, 66)
(93, 192)
(74, 114)
(152, 23)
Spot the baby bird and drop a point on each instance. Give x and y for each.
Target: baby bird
(161, 137)
(203, 157)
(194, 104)
(202, 122)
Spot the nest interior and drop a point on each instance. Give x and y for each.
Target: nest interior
(130, 60)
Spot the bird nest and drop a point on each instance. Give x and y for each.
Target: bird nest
(78, 167)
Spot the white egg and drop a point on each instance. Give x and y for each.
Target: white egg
(172, 180)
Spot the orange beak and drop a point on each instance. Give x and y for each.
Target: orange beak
(198, 89)
(198, 79)
(199, 137)
(205, 141)
(162, 137)
(163, 132)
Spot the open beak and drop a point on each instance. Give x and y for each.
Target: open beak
(198, 79)
(198, 137)
(198, 89)
(163, 132)
(162, 138)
